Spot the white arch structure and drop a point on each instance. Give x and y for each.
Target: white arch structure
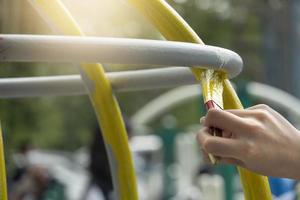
(182, 94)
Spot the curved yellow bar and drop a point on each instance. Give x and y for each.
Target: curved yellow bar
(3, 189)
(103, 100)
(173, 27)
(214, 84)
(255, 186)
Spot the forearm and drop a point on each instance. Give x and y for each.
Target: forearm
(294, 167)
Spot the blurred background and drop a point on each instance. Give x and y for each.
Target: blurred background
(54, 142)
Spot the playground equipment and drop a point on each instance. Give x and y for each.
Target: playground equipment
(217, 90)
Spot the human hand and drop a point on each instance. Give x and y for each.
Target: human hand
(257, 138)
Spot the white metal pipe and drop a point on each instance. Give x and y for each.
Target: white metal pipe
(275, 96)
(164, 103)
(37, 48)
(151, 79)
(41, 86)
(73, 85)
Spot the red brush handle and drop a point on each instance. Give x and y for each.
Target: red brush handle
(210, 104)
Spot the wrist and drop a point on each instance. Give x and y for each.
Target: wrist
(297, 156)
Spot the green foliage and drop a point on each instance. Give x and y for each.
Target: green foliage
(62, 122)
(232, 24)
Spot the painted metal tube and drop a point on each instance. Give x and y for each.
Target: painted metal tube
(42, 86)
(69, 85)
(3, 185)
(173, 27)
(103, 100)
(33, 48)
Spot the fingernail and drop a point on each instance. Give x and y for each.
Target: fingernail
(202, 120)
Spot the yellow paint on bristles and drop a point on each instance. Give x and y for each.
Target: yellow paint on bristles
(102, 98)
(3, 187)
(215, 85)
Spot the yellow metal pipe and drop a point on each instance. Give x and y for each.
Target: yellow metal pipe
(215, 86)
(255, 186)
(103, 100)
(3, 187)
